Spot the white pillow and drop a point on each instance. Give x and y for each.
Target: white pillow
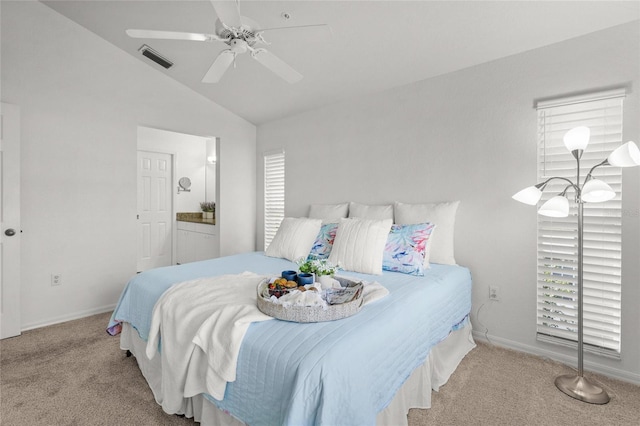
(329, 213)
(427, 249)
(443, 215)
(365, 211)
(359, 245)
(294, 238)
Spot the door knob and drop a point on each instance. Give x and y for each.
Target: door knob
(10, 232)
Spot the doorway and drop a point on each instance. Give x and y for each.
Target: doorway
(194, 158)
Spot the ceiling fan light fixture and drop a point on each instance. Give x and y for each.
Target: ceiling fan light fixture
(238, 45)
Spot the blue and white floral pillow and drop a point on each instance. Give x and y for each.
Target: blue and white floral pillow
(324, 242)
(405, 248)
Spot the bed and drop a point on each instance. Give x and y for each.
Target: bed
(370, 368)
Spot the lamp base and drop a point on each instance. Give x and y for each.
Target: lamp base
(580, 388)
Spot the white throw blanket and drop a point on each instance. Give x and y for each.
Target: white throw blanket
(193, 317)
(373, 291)
(203, 323)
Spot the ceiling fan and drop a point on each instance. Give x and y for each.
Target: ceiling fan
(241, 34)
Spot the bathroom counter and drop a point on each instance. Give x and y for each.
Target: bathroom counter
(194, 218)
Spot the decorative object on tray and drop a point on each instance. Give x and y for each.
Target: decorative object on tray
(289, 275)
(281, 286)
(335, 299)
(317, 267)
(207, 207)
(305, 278)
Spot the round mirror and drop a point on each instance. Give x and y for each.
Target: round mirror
(185, 183)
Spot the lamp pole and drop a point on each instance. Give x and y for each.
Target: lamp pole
(581, 288)
(576, 386)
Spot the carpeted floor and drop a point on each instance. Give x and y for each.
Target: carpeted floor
(497, 386)
(75, 374)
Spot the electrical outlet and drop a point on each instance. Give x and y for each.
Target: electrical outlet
(494, 293)
(56, 279)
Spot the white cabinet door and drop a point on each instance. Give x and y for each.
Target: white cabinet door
(196, 242)
(204, 245)
(183, 248)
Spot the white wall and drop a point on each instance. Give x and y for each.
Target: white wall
(82, 100)
(190, 156)
(471, 136)
(211, 169)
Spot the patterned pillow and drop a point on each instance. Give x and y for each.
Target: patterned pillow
(324, 242)
(405, 248)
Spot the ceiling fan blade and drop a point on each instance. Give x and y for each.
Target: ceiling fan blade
(219, 66)
(171, 35)
(228, 12)
(306, 33)
(277, 65)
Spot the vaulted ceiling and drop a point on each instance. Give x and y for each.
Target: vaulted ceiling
(375, 45)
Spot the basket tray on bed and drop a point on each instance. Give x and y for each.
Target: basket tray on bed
(312, 313)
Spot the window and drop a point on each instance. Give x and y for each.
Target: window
(557, 315)
(273, 194)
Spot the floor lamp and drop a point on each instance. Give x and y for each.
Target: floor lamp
(590, 191)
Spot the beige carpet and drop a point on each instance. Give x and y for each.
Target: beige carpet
(75, 374)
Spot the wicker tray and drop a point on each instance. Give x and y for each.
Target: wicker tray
(311, 313)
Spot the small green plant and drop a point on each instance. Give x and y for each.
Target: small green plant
(208, 206)
(316, 266)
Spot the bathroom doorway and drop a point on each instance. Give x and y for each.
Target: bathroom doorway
(194, 160)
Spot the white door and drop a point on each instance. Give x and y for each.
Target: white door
(10, 218)
(155, 210)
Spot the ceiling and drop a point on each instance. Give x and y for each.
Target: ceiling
(375, 45)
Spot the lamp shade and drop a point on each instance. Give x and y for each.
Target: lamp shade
(597, 191)
(557, 206)
(627, 155)
(530, 195)
(577, 138)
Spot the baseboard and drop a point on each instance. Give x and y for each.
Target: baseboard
(614, 373)
(69, 317)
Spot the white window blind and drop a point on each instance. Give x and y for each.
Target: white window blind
(558, 237)
(273, 194)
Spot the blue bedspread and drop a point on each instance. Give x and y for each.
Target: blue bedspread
(331, 373)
